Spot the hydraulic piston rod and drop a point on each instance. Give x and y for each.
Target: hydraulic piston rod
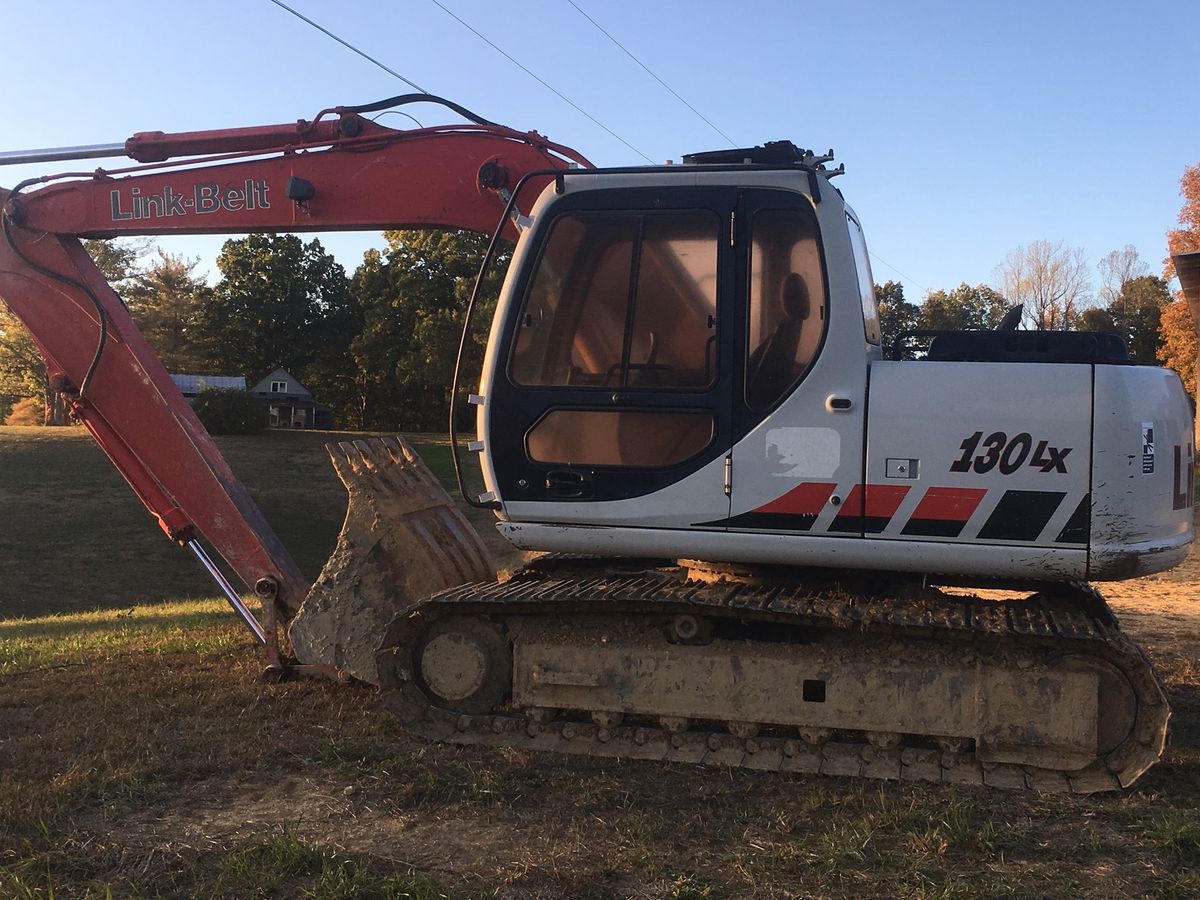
(231, 595)
(51, 154)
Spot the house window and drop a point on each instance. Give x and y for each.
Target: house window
(278, 387)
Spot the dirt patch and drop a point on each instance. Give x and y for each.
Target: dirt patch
(331, 809)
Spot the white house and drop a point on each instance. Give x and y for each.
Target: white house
(289, 403)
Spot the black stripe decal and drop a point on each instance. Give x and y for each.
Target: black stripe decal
(855, 523)
(1021, 515)
(1079, 527)
(935, 527)
(768, 521)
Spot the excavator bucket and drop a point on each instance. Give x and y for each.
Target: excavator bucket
(403, 539)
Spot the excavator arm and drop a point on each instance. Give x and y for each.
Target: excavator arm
(340, 171)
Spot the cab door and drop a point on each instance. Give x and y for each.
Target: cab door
(614, 403)
(800, 381)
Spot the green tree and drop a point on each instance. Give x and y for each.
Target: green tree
(1097, 318)
(230, 411)
(119, 260)
(166, 306)
(965, 308)
(895, 313)
(280, 303)
(413, 296)
(1136, 313)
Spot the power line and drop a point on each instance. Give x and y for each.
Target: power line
(897, 271)
(541, 81)
(350, 46)
(417, 87)
(628, 53)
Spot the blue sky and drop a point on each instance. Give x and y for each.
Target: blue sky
(967, 128)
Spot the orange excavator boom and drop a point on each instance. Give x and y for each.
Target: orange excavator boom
(340, 171)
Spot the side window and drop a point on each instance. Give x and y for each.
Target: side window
(637, 438)
(787, 304)
(866, 282)
(622, 300)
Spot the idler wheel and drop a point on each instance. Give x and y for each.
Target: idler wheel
(464, 664)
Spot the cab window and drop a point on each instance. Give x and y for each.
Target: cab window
(622, 300)
(786, 304)
(866, 282)
(636, 438)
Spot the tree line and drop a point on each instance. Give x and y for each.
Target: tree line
(1052, 282)
(378, 346)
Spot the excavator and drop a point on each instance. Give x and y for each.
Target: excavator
(758, 537)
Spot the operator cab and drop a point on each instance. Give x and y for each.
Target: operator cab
(649, 323)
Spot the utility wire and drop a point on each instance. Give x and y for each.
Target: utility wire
(350, 46)
(898, 272)
(540, 81)
(417, 87)
(628, 53)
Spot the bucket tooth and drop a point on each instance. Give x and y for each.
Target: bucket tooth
(403, 539)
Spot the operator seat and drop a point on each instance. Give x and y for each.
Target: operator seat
(774, 367)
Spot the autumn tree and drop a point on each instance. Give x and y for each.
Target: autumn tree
(1050, 279)
(1176, 341)
(1186, 238)
(978, 308)
(166, 306)
(895, 313)
(22, 371)
(413, 296)
(1179, 346)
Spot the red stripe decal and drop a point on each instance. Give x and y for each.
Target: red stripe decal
(882, 500)
(807, 499)
(949, 504)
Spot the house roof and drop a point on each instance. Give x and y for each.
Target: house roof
(194, 384)
(262, 387)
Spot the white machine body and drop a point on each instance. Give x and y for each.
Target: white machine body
(686, 363)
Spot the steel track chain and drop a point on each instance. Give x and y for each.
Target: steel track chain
(1073, 617)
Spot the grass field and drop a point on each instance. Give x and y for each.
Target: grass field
(84, 541)
(141, 755)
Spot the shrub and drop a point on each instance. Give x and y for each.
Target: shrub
(29, 411)
(229, 411)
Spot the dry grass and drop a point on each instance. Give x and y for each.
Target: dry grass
(151, 767)
(140, 755)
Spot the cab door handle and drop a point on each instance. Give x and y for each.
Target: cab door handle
(564, 484)
(834, 403)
